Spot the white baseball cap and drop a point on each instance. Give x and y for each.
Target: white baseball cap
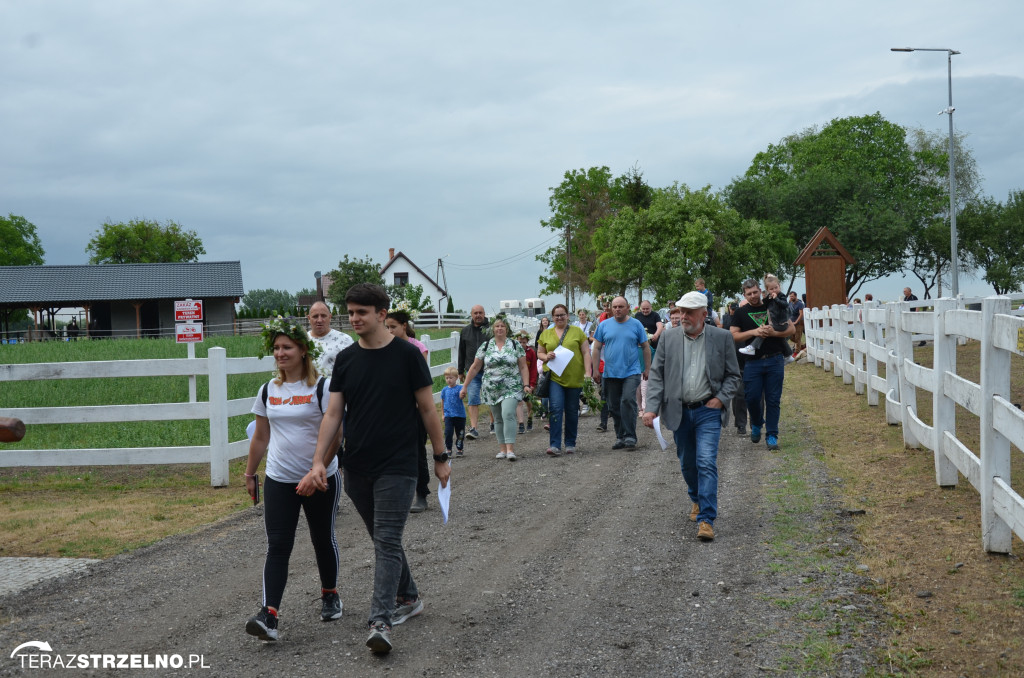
(693, 300)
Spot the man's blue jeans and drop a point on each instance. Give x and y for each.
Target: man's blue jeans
(563, 401)
(383, 504)
(764, 378)
(697, 449)
(621, 396)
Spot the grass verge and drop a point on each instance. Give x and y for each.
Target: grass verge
(956, 610)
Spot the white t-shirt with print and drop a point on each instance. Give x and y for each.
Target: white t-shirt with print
(332, 343)
(295, 416)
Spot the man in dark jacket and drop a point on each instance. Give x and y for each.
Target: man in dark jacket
(471, 338)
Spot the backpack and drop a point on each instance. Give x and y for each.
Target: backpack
(319, 393)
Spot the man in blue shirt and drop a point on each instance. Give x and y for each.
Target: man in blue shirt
(619, 339)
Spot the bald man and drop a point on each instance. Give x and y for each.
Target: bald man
(331, 342)
(621, 340)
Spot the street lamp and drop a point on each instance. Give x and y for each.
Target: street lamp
(954, 257)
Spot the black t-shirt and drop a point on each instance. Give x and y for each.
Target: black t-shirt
(650, 323)
(748, 318)
(379, 387)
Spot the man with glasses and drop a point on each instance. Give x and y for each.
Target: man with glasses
(763, 372)
(621, 340)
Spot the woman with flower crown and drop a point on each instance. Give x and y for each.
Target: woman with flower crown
(399, 324)
(288, 412)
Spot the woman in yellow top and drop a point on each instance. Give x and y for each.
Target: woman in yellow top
(564, 396)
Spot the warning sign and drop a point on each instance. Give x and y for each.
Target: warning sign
(187, 333)
(188, 311)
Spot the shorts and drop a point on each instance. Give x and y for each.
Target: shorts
(473, 389)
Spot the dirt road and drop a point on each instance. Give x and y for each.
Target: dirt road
(577, 566)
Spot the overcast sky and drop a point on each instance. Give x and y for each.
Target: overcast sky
(288, 134)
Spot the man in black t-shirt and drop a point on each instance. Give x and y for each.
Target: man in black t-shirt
(381, 387)
(654, 326)
(763, 372)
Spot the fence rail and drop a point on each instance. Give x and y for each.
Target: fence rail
(852, 342)
(217, 410)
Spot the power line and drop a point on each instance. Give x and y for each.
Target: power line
(507, 260)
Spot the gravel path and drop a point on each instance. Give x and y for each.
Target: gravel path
(577, 566)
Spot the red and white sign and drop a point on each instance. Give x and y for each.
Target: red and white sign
(187, 333)
(188, 311)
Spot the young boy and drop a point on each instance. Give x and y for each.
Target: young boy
(778, 315)
(454, 412)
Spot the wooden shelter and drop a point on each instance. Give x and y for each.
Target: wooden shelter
(825, 260)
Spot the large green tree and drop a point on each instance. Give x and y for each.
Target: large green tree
(685, 234)
(21, 244)
(268, 300)
(994, 237)
(857, 176)
(349, 273)
(143, 241)
(928, 247)
(578, 205)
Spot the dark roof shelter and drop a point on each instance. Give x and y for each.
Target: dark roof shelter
(125, 299)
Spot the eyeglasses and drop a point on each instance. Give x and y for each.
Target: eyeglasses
(561, 315)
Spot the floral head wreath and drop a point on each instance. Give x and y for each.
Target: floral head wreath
(406, 307)
(291, 328)
(603, 299)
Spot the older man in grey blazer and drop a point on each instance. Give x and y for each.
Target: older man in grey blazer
(695, 372)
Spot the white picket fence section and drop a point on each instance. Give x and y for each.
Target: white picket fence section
(217, 366)
(852, 342)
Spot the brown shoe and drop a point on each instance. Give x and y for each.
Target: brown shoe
(704, 531)
(694, 510)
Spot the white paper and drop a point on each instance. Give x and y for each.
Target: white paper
(444, 495)
(561, 359)
(657, 432)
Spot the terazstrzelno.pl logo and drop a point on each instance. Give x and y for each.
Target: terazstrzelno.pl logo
(36, 654)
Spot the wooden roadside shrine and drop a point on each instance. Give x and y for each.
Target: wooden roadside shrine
(825, 260)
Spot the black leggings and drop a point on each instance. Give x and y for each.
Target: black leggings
(281, 516)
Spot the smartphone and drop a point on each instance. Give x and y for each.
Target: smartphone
(256, 493)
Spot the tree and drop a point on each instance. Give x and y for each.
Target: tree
(578, 205)
(928, 248)
(268, 300)
(683, 235)
(141, 241)
(994, 234)
(351, 272)
(857, 176)
(21, 242)
(410, 293)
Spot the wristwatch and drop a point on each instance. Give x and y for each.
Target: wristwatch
(441, 457)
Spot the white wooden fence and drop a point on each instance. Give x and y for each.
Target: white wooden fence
(217, 366)
(853, 342)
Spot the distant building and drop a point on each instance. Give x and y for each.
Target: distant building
(399, 270)
(125, 299)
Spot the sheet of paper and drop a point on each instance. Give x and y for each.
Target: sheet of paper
(657, 432)
(561, 360)
(444, 495)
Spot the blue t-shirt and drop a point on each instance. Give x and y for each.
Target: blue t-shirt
(620, 355)
(452, 402)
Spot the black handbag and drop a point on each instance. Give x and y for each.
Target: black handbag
(544, 383)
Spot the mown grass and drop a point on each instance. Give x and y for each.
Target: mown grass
(917, 537)
(103, 510)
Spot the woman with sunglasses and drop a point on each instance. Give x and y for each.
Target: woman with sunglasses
(566, 387)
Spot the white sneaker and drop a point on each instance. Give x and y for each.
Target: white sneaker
(499, 455)
(511, 456)
(790, 359)
(748, 350)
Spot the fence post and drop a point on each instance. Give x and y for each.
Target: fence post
(943, 407)
(456, 337)
(995, 448)
(872, 337)
(218, 371)
(893, 414)
(908, 392)
(838, 345)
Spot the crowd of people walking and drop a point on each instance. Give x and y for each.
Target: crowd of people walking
(364, 425)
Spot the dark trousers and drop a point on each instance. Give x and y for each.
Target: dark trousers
(281, 516)
(383, 504)
(453, 427)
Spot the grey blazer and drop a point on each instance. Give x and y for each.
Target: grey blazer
(665, 384)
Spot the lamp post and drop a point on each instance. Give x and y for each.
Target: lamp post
(954, 257)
